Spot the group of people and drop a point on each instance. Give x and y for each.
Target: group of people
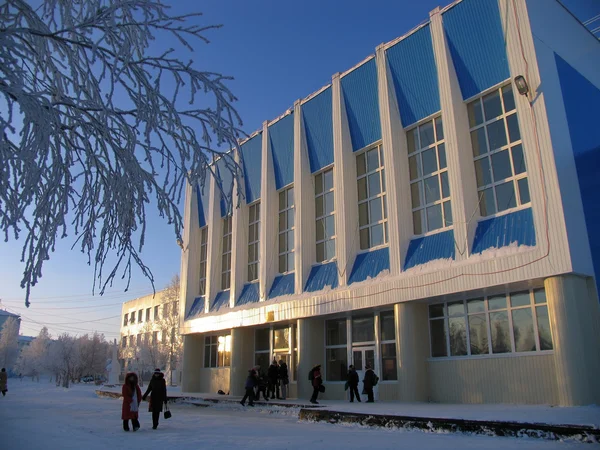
(369, 382)
(271, 384)
(132, 397)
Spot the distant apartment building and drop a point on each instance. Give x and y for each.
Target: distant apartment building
(5, 315)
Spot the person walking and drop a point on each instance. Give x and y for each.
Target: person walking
(251, 382)
(284, 378)
(3, 382)
(315, 376)
(353, 380)
(132, 396)
(261, 385)
(369, 381)
(273, 379)
(157, 389)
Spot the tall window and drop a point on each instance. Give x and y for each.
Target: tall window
(262, 348)
(156, 313)
(125, 317)
(124, 341)
(176, 308)
(132, 317)
(498, 151)
(324, 212)
(148, 314)
(217, 351)
(281, 346)
(155, 337)
(253, 241)
(429, 188)
(372, 206)
(336, 350)
(140, 316)
(513, 323)
(138, 340)
(389, 366)
(131, 338)
(203, 258)
(226, 256)
(286, 230)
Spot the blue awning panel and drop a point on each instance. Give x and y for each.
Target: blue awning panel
(197, 308)
(505, 230)
(430, 248)
(321, 276)
(221, 301)
(283, 285)
(250, 294)
(370, 264)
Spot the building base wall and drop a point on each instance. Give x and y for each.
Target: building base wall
(193, 350)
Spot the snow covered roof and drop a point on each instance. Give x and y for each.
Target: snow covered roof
(6, 313)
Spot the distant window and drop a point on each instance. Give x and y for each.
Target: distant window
(125, 317)
(148, 310)
(139, 340)
(226, 255)
(203, 259)
(217, 351)
(389, 367)
(132, 317)
(176, 308)
(131, 340)
(336, 349)
(140, 316)
(286, 230)
(324, 216)
(156, 313)
(253, 241)
(124, 341)
(155, 337)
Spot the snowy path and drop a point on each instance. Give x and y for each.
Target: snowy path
(40, 416)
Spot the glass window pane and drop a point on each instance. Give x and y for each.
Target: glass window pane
(436, 310)
(478, 334)
(505, 193)
(442, 155)
(497, 302)
(418, 219)
(456, 309)
(282, 263)
(522, 321)
(438, 338)
(439, 129)
(429, 161)
(319, 206)
(496, 134)
(447, 214)
(290, 240)
(282, 221)
(478, 141)
(426, 134)
(500, 332)
(518, 159)
(320, 229)
(363, 329)
(509, 100)
(382, 180)
(364, 239)
(320, 251)
(335, 332)
(361, 167)
(290, 197)
(432, 189)
(328, 180)
(282, 243)
(543, 323)
(475, 306)
(262, 360)
(389, 367)
(492, 105)
(434, 217)
(363, 214)
(261, 339)
(488, 205)
(374, 184)
(281, 338)
(539, 296)
(282, 200)
(513, 128)
(329, 226)
(414, 167)
(475, 113)
(520, 299)
(458, 336)
(290, 261)
(337, 364)
(483, 172)
(377, 235)
(318, 183)
(290, 218)
(416, 194)
(388, 329)
(357, 360)
(445, 184)
(330, 249)
(524, 191)
(375, 210)
(362, 189)
(501, 165)
(413, 140)
(372, 159)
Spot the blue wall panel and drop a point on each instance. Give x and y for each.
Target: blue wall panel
(429, 248)
(225, 179)
(202, 198)
(250, 294)
(197, 308)
(362, 104)
(582, 106)
(318, 125)
(369, 264)
(504, 230)
(476, 41)
(321, 276)
(283, 285)
(412, 65)
(281, 140)
(221, 301)
(252, 160)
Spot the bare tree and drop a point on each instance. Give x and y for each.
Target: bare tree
(64, 358)
(9, 342)
(94, 125)
(93, 355)
(173, 342)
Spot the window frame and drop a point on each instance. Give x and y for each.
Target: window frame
(126, 319)
(203, 260)
(254, 242)
(321, 194)
(345, 346)
(287, 230)
(221, 357)
(387, 342)
(226, 252)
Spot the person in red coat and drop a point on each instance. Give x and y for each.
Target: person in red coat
(132, 396)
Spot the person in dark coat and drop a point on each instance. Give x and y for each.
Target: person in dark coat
(369, 383)
(3, 382)
(251, 383)
(317, 381)
(284, 378)
(132, 396)
(353, 380)
(157, 389)
(262, 384)
(273, 379)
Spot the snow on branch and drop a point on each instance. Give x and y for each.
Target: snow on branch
(94, 126)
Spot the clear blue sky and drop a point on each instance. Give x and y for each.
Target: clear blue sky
(277, 52)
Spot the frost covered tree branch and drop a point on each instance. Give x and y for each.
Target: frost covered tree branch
(94, 126)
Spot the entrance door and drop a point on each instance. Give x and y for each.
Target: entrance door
(361, 357)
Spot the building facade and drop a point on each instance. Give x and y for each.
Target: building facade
(429, 212)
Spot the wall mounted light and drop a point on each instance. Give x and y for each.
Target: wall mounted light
(522, 85)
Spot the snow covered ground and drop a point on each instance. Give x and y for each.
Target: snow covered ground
(41, 416)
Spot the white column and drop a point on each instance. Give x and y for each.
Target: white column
(193, 353)
(395, 150)
(344, 182)
(239, 245)
(190, 253)
(215, 238)
(304, 203)
(459, 155)
(242, 356)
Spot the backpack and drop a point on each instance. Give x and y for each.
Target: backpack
(375, 380)
(311, 374)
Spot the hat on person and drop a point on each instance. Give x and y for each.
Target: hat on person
(156, 370)
(350, 366)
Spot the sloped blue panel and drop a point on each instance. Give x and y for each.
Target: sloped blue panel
(225, 180)
(362, 104)
(412, 65)
(318, 125)
(582, 107)
(252, 160)
(429, 248)
(197, 308)
(321, 276)
(281, 140)
(283, 285)
(476, 42)
(221, 301)
(505, 230)
(202, 198)
(250, 294)
(369, 264)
